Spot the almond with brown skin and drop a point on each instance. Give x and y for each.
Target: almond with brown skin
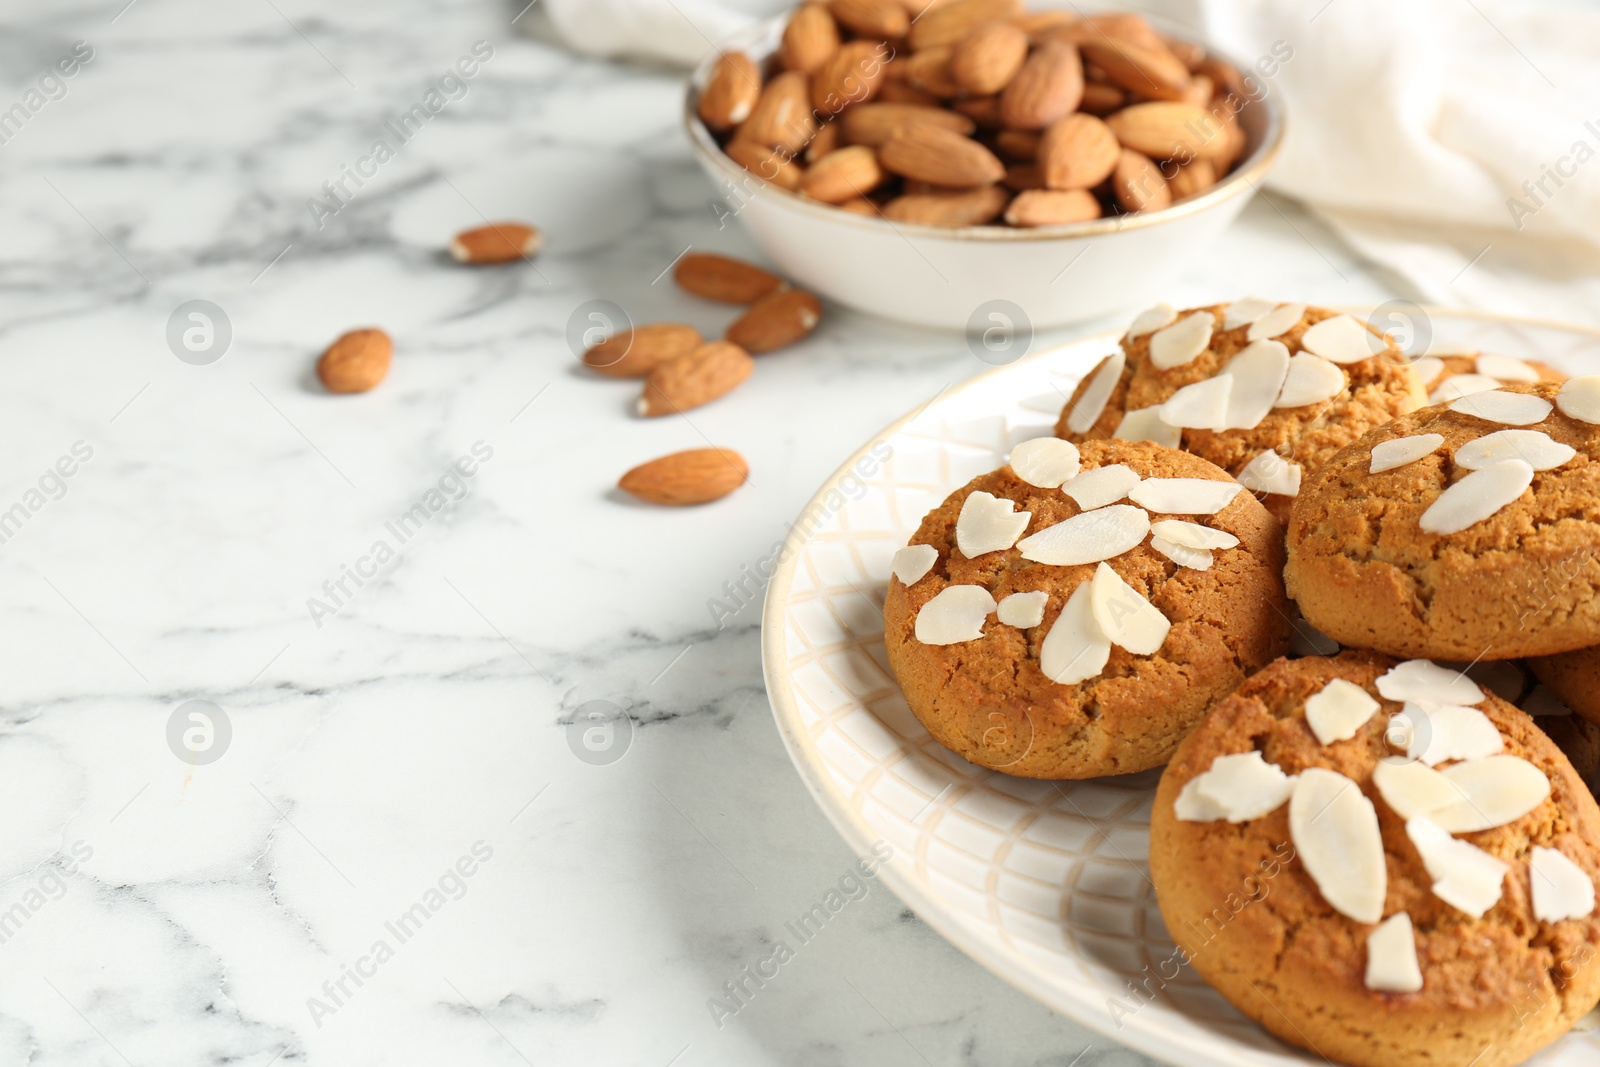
(899, 92)
(1138, 184)
(947, 23)
(943, 157)
(498, 242)
(1052, 207)
(730, 93)
(1048, 86)
(1037, 23)
(1192, 178)
(847, 174)
(777, 320)
(1154, 73)
(697, 476)
(636, 352)
(871, 124)
(725, 279)
(1162, 129)
(1125, 26)
(1101, 99)
(885, 20)
(356, 362)
(1019, 145)
(768, 164)
(929, 71)
(974, 207)
(1077, 152)
(828, 138)
(713, 370)
(782, 115)
(852, 75)
(1200, 91)
(809, 40)
(985, 60)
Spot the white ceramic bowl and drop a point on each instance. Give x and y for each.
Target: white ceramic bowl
(929, 276)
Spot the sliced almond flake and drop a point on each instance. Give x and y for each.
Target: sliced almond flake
(1184, 496)
(1271, 473)
(1440, 732)
(1428, 368)
(1579, 398)
(1399, 451)
(1561, 889)
(1341, 339)
(1464, 876)
(1101, 486)
(1124, 616)
(1459, 385)
(1144, 424)
(1423, 681)
(1046, 462)
(1179, 343)
(1193, 535)
(1477, 497)
(1151, 320)
(1497, 405)
(1413, 789)
(1505, 369)
(1277, 322)
(1334, 828)
(1338, 710)
(1392, 956)
(1494, 791)
(912, 562)
(1074, 650)
(1541, 703)
(1090, 537)
(1023, 610)
(1200, 406)
(988, 523)
(956, 614)
(1535, 447)
(1258, 373)
(1311, 380)
(1441, 349)
(1237, 787)
(1197, 559)
(1092, 404)
(1244, 312)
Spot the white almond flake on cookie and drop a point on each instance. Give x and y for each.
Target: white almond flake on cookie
(987, 523)
(1184, 496)
(1423, 681)
(1123, 614)
(1494, 791)
(1023, 610)
(1561, 889)
(1437, 733)
(1197, 559)
(1497, 405)
(1535, 447)
(1244, 312)
(1280, 320)
(1271, 473)
(1338, 710)
(956, 614)
(1341, 339)
(1464, 876)
(1476, 497)
(1579, 398)
(1144, 424)
(1200, 406)
(1413, 789)
(1151, 320)
(1334, 828)
(1101, 486)
(1046, 462)
(1428, 368)
(1400, 451)
(1258, 373)
(1075, 649)
(912, 562)
(1460, 385)
(1237, 788)
(1392, 956)
(1090, 537)
(1092, 404)
(1182, 341)
(1505, 369)
(1193, 535)
(1311, 380)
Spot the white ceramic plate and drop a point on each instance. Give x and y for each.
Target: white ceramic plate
(1044, 883)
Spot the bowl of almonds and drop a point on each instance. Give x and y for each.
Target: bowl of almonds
(967, 163)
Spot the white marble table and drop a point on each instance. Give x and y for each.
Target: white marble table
(414, 726)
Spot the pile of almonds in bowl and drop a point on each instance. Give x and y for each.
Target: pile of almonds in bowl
(973, 112)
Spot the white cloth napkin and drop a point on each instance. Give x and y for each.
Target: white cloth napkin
(1455, 142)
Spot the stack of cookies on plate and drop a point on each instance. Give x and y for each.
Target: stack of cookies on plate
(1385, 853)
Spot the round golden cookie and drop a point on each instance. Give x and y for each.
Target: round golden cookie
(1376, 390)
(988, 699)
(1574, 677)
(1438, 371)
(1520, 582)
(1239, 902)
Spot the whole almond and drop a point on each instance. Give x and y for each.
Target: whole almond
(714, 369)
(986, 59)
(356, 362)
(1192, 178)
(498, 242)
(943, 157)
(900, 92)
(929, 71)
(1200, 90)
(1125, 26)
(1077, 152)
(810, 38)
(871, 124)
(782, 116)
(725, 279)
(1019, 145)
(1101, 99)
(1021, 176)
(1154, 73)
(947, 23)
(1138, 183)
(852, 75)
(636, 352)
(697, 476)
(1048, 86)
(777, 320)
(847, 174)
(974, 207)
(1163, 129)
(1052, 207)
(883, 19)
(769, 164)
(730, 93)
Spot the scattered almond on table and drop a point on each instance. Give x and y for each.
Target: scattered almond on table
(698, 476)
(498, 242)
(356, 362)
